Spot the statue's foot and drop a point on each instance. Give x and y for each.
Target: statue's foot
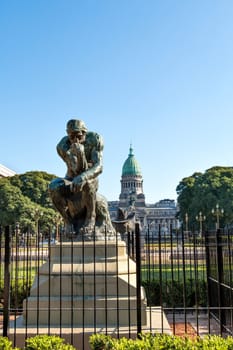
(87, 229)
(89, 225)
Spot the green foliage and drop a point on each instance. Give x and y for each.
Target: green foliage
(144, 342)
(160, 342)
(21, 196)
(38, 342)
(215, 342)
(18, 292)
(101, 341)
(12, 202)
(34, 185)
(5, 343)
(47, 342)
(202, 191)
(173, 293)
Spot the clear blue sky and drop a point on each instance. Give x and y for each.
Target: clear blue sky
(157, 73)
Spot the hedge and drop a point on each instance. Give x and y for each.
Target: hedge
(160, 342)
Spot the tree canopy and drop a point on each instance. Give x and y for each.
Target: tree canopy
(201, 192)
(24, 199)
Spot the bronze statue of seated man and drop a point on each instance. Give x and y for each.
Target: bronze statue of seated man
(75, 196)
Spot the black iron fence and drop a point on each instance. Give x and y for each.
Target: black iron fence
(219, 247)
(165, 281)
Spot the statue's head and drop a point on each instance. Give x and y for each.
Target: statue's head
(76, 130)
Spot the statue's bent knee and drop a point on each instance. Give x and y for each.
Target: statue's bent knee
(56, 184)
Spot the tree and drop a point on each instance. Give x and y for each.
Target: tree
(22, 197)
(202, 191)
(34, 185)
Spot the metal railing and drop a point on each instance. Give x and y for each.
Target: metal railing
(219, 247)
(146, 282)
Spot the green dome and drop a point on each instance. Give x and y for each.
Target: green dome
(131, 166)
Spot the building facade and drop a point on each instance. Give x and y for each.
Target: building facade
(5, 172)
(160, 216)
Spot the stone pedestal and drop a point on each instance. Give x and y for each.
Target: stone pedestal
(85, 284)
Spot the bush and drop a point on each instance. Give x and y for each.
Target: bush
(160, 341)
(174, 292)
(145, 342)
(101, 342)
(18, 292)
(38, 342)
(5, 344)
(47, 342)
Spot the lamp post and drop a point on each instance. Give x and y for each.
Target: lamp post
(17, 230)
(186, 218)
(217, 212)
(57, 220)
(200, 218)
(37, 214)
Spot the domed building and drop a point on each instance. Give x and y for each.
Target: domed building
(132, 199)
(131, 183)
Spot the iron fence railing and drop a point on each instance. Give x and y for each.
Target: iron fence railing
(166, 281)
(219, 247)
